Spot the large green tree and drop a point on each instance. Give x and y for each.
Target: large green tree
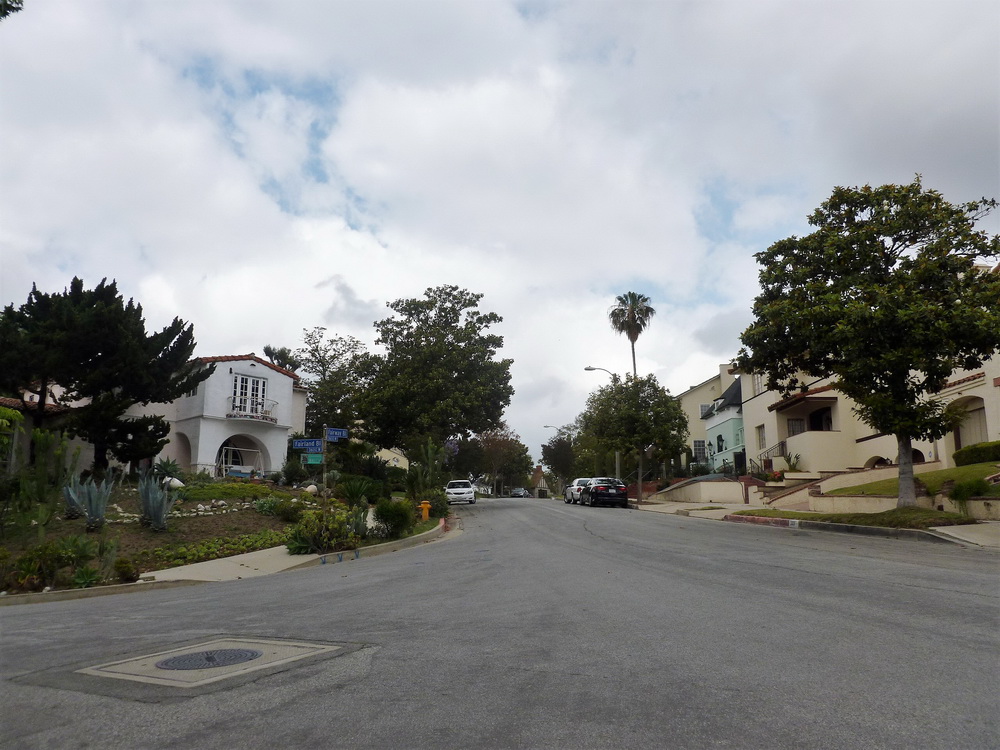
(332, 368)
(636, 415)
(507, 459)
(559, 454)
(886, 299)
(439, 376)
(94, 345)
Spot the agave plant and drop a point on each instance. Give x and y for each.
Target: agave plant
(88, 499)
(72, 494)
(155, 501)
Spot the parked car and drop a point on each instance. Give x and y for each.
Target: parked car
(519, 492)
(460, 491)
(572, 492)
(605, 491)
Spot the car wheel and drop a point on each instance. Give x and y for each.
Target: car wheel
(472, 501)
(567, 499)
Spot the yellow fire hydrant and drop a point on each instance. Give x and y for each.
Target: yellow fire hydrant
(425, 509)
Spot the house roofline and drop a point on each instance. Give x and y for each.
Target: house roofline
(251, 358)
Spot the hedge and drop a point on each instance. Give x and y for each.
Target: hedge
(978, 453)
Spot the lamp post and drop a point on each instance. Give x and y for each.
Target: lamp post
(618, 453)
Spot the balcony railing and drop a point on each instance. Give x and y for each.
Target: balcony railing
(259, 409)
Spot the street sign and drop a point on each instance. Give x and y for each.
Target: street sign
(309, 444)
(334, 434)
(311, 458)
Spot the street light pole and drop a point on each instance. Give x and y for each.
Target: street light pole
(618, 453)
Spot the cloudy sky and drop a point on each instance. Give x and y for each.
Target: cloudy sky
(258, 167)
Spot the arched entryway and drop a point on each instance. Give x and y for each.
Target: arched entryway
(180, 450)
(242, 456)
(876, 462)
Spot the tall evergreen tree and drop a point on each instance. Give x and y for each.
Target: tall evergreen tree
(94, 345)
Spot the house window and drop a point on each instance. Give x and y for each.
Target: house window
(761, 438)
(193, 392)
(758, 383)
(699, 451)
(704, 408)
(739, 437)
(796, 426)
(249, 394)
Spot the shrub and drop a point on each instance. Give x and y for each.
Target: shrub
(167, 468)
(76, 551)
(322, 531)
(284, 508)
(358, 491)
(293, 471)
(86, 577)
(228, 491)
(962, 491)
(978, 453)
(394, 518)
(439, 503)
(126, 571)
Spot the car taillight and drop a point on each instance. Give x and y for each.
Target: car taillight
(600, 488)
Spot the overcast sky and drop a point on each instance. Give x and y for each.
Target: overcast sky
(258, 167)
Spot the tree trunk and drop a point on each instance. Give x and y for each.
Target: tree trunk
(638, 490)
(907, 489)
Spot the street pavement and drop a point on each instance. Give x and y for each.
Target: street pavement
(535, 624)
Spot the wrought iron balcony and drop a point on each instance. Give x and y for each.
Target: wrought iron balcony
(258, 409)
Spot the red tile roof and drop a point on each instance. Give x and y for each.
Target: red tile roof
(253, 358)
(19, 405)
(963, 381)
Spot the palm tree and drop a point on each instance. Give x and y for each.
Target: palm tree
(631, 316)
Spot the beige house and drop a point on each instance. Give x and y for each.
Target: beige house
(820, 426)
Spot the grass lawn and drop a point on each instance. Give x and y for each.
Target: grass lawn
(897, 518)
(932, 480)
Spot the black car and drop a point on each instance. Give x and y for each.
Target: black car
(519, 492)
(604, 491)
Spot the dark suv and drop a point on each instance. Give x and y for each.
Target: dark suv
(604, 491)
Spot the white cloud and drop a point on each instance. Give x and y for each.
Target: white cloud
(259, 167)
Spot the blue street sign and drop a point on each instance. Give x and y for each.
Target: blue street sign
(309, 444)
(335, 433)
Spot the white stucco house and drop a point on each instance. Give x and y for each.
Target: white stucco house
(237, 421)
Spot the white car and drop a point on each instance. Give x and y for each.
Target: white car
(572, 492)
(460, 491)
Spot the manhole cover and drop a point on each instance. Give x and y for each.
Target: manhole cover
(221, 657)
(211, 661)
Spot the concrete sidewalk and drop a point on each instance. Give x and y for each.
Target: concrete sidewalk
(982, 534)
(277, 559)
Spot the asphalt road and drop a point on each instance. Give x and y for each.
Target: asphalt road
(543, 625)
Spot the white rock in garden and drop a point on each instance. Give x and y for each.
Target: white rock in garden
(312, 489)
(201, 507)
(173, 483)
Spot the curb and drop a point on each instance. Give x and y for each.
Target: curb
(62, 595)
(374, 550)
(843, 528)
